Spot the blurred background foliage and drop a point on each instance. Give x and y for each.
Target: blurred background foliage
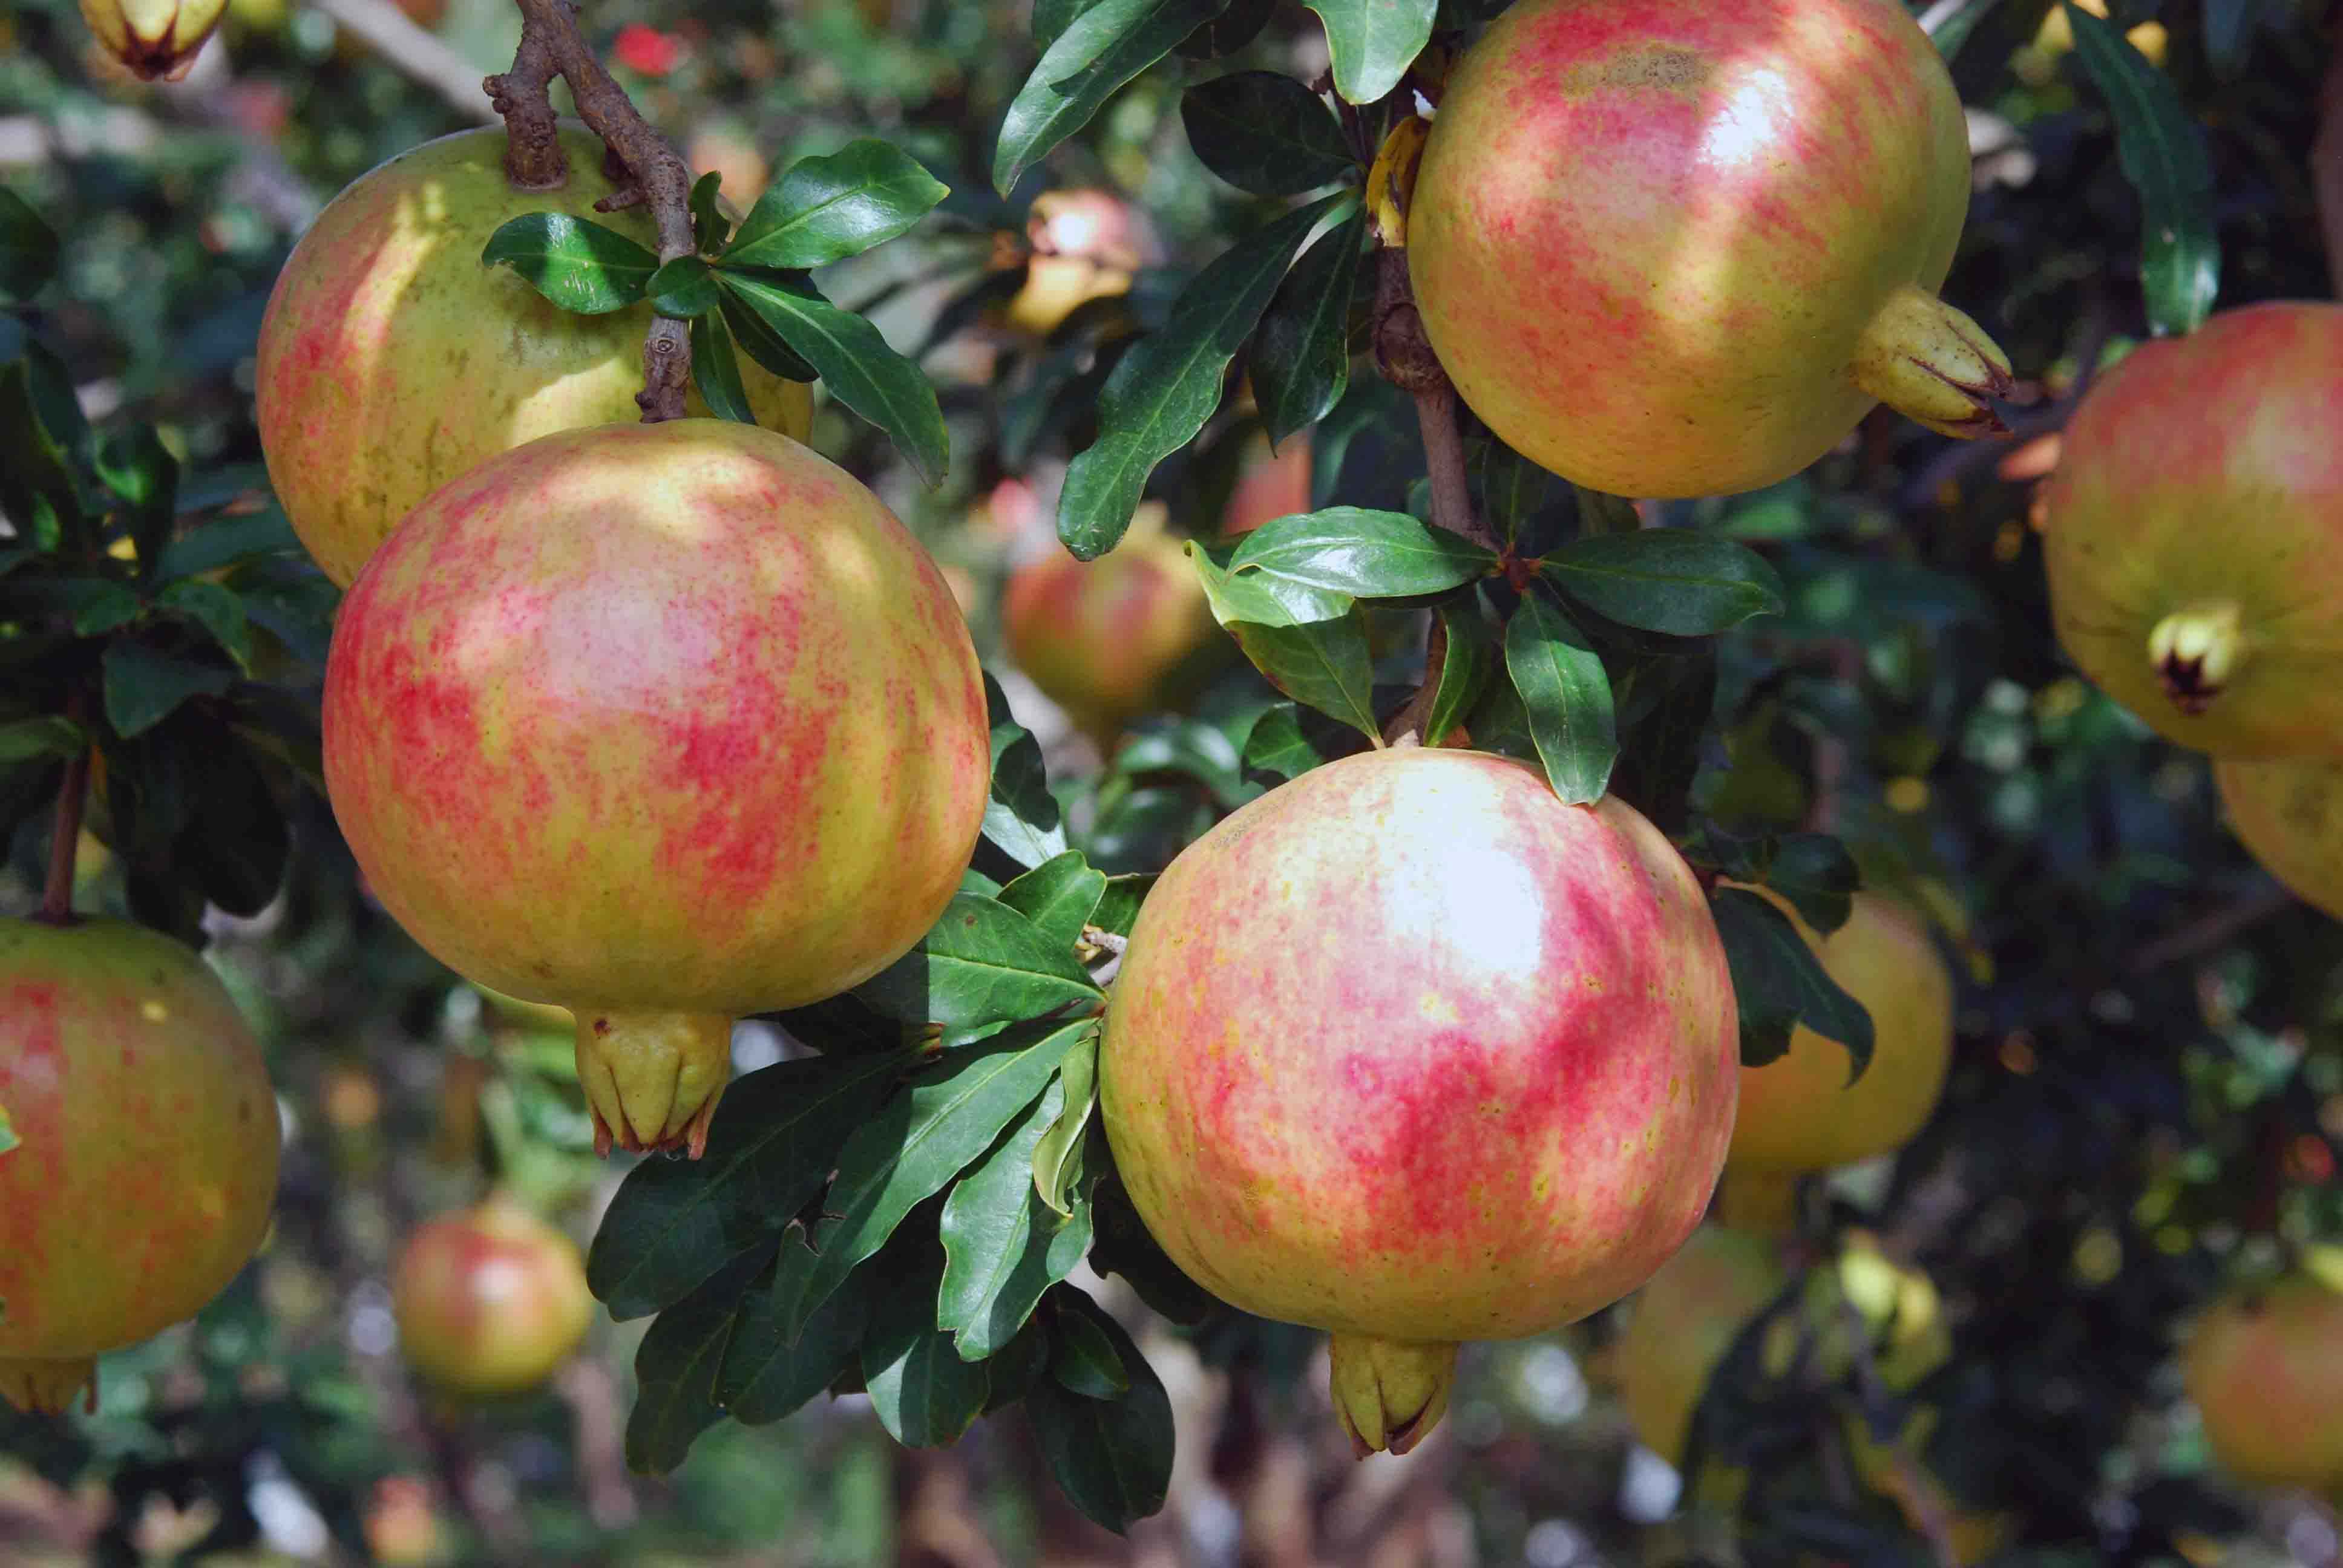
(2148, 1093)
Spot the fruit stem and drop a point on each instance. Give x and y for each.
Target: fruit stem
(1929, 362)
(653, 1079)
(56, 895)
(550, 46)
(1759, 1202)
(1390, 1393)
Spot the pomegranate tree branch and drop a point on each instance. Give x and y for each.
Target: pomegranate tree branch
(1404, 355)
(2327, 162)
(56, 896)
(653, 174)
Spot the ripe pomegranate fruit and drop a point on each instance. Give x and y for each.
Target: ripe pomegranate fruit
(1271, 485)
(1106, 639)
(2288, 813)
(1410, 1050)
(2196, 520)
(1683, 1319)
(1799, 1112)
(1086, 243)
(390, 360)
(147, 1144)
(489, 1299)
(2265, 1367)
(662, 724)
(1667, 247)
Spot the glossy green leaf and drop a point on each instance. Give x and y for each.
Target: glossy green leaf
(1021, 819)
(1118, 907)
(1265, 133)
(1288, 740)
(774, 1139)
(762, 344)
(1260, 598)
(217, 611)
(684, 288)
(1053, 1163)
(1300, 362)
(133, 465)
(925, 1393)
(855, 363)
(29, 249)
(1087, 1361)
(715, 371)
(825, 209)
(1003, 1248)
(677, 1364)
(1323, 663)
(1373, 42)
(1779, 983)
(779, 1356)
(1163, 389)
(1097, 51)
(1371, 554)
(227, 542)
(47, 736)
(42, 434)
(1057, 896)
(1670, 580)
(709, 227)
(1565, 698)
(1471, 658)
(1818, 875)
(1510, 489)
(981, 962)
(143, 686)
(1112, 1458)
(581, 266)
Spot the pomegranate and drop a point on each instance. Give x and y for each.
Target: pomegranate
(1105, 640)
(489, 1299)
(2289, 814)
(661, 724)
(2196, 520)
(2265, 1367)
(1271, 485)
(390, 360)
(1666, 248)
(1685, 1319)
(1410, 1050)
(1086, 243)
(147, 1143)
(1799, 1112)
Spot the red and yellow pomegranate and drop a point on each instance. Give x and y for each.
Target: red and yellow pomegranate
(147, 1140)
(489, 1299)
(1271, 484)
(1412, 1052)
(662, 724)
(1667, 247)
(1799, 1112)
(391, 360)
(2196, 530)
(2288, 813)
(1086, 245)
(2265, 1367)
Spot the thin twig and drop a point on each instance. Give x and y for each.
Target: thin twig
(2210, 931)
(653, 174)
(57, 897)
(1404, 355)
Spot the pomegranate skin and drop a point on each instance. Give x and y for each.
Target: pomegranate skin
(489, 1299)
(1668, 247)
(148, 1139)
(1410, 1050)
(662, 724)
(2264, 1368)
(2289, 814)
(2194, 533)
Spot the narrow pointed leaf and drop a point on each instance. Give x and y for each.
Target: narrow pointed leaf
(1371, 554)
(1301, 357)
(767, 1374)
(825, 209)
(1053, 1163)
(1565, 696)
(856, 363)
(1094, 53)
(1373, 42)
(1057, 896)
(677, 1368)
(716, 371)
(581, 266)
(1779, 983)
(981, 962)
(1670, 580)
(1265, 133)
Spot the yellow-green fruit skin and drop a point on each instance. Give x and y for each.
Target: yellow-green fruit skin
(1682, 1322)
(2289, 814)
(1799, 1112)
(147, 1142)
(391, 360)
(1102, 638)
(490, 1301)
(2265, 1367)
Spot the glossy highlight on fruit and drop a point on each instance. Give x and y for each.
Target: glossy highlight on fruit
(2194, 544)
(391, 359)
(1412, 1052)
(1670, 248)
(2265, 1367)
(145, 1164)
(489, 1299)
(2288, 813)
(662, 724)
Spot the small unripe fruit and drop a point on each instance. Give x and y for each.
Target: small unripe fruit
(490, 1301)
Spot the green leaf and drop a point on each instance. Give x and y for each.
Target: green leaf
(922, 1139)
(925, 1393)
(1567, 697)
(781, 1356)
(1053, 1165)
(1230, 31)
(772, 1144)
(716, 371)
(1057, 896)
(678, 1363)
(1265, 133)
(1371, 555)
(51, 735)
(1118, 907)
(825, 209)
(216, 610)
(1112, 1458)
(1100, 49)
(1816, 874)
(982, 961)
(1512, 489)
(42, 432)
(295, 604)
(2162, 151)
(1949, 27)
(1670, 580)
(1471, 658)
(97, 605)
(133, 463)
(684, 288)
(143, 687)
(1122, 1246)
(581, 267)
(1163, 391)
(855, 363)
(1323, 663)
(1259, 597)
(1289, 740)
(1301, 357)
(1052, 17)
(1087, 1360)
(764, 344)
(1780, 983)
(29, 249)
(1002, 1248)
(709, 225)
(1373, 42)
(227, 542)
(1022, 819)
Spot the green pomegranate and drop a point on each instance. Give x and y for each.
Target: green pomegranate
(489, 1299)
(2289, 814)
(2265, 1367)
(661, 724)
(147, 1140)
(391, 360)
(1673, 247)
(2196, 529)
(1410, 1050)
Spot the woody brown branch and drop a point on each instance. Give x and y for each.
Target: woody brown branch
(654, 174)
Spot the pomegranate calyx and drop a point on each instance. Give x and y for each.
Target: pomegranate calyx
(653, 1079)
(2196, 651)
(1390, 1393)
(1933, 365)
